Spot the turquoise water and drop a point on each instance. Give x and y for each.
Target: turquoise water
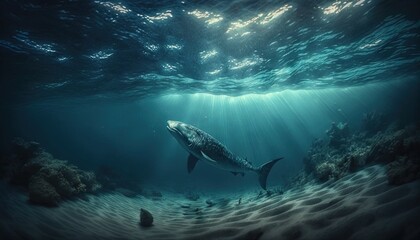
(94, 83)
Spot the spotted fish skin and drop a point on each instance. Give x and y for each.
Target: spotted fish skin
(202, 146)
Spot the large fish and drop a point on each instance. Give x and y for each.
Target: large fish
(202, 146)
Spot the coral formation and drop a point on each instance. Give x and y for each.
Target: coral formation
(398, 149)
(42, 192)
(403, 170)
(48, 180)
(338, 133)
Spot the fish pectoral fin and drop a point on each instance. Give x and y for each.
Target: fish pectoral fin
(207, 157)
(192, 160)
(236, 173)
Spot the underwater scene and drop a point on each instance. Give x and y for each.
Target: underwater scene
(192, 119)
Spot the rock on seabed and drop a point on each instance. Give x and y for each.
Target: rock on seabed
(146, 218)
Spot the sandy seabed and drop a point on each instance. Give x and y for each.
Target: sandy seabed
(359, 206)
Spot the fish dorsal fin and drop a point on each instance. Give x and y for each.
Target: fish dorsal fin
(207, 157)
(192, 160)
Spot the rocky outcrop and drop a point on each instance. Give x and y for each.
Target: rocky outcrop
(66, 180)
(42, 192)
(146, 218)
(343, 153)
(404, 170)
(338, 134)
(48, 180)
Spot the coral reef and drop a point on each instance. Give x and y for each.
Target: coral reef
(398, 149)
(403, 170)
(338, 133)
(48, 180)
(42, 192)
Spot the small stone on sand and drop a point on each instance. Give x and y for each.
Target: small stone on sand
(146, 218)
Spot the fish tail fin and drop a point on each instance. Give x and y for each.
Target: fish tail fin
(264, 170)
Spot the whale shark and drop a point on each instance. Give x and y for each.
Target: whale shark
(202, 146)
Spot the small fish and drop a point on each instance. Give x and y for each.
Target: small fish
(202, 146)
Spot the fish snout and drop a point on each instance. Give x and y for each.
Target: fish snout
(171, 124)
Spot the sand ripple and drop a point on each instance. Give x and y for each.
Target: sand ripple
(359, 206)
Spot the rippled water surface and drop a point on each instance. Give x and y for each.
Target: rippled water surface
(142, 48)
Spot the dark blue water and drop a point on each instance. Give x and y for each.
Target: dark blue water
(136, 49)
(95, 81)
